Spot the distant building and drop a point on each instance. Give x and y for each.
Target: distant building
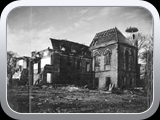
(114, 60)
(67, 63)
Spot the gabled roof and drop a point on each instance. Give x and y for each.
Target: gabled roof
(123, 39)
(110, 36)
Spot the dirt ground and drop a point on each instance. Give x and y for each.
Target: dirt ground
(70, 99)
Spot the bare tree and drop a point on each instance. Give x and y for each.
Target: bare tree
(11, 65)
(145, 43)
(145, 54)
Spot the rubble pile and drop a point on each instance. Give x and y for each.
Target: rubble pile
(72, 99)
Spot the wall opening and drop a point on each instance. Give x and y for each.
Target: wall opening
(49, 78)
(87, 67)
(108, 82)
(96, 83)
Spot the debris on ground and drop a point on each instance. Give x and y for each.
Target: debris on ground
(70, 88)
(73, 99)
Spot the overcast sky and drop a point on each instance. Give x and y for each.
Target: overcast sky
(29, 28)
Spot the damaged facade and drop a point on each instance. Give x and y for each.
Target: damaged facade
(114, 60)
(110, 59)
(66, 63)
(20, 77)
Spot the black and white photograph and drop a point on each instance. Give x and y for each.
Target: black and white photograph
(79, 59)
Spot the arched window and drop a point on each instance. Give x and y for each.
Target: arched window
(96, 61)
(128, 60)
(73, 49)
(96, 55)
(62, 47)
(107, 57)
(65, 48)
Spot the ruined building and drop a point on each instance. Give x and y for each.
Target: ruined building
(20, 76)
(114, 60)
(110, 59)
(66, 63)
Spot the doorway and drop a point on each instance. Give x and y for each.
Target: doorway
(96, 83)
(108, 82)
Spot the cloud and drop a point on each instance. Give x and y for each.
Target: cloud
(104, 11)
(82, 12)
(40, 37)
(128, 15)
(80, 24)
(91, 16)
(18, 43)
(74, 23)
(31, 40)
(85, 21)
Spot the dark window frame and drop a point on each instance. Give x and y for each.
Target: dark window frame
(107, 57)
